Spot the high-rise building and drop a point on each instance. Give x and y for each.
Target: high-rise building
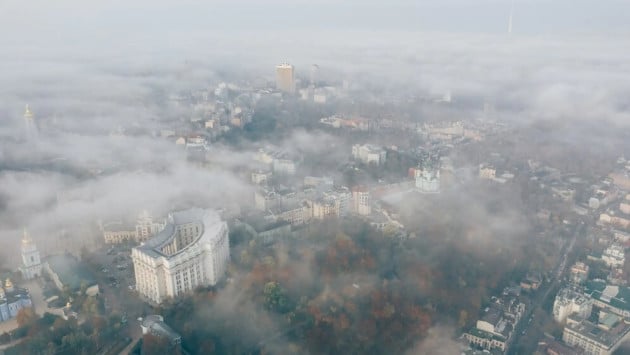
(31, 263)
(191, 251)
(361, 200)
(285, 77)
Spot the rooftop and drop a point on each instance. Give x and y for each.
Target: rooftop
(607, 338)
(211, 225)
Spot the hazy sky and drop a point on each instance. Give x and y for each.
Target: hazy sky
(40, 20)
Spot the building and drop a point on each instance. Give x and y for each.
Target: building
(596, 339)
(283, 166)
(117, 232)
(579, 273)
(568, 302)
(285, 78)
(154, 325)
(614, 256)
(487, 172)
(427, 175)
(12, 300)
(496, 326)
(369, 154)
(31, 262)
(260, 177)
(192, 250)
(610, 298)
(66, 271)
(362, 203)
(146, 227)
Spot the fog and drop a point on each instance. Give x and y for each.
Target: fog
(101, 79)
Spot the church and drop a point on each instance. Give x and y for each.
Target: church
(31, 262)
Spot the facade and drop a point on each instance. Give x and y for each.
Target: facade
(579, 273)
(596, 339)
(568, 302)
(427, 175)
(31, 262)
(191, 251)
(361, 201)
(146, 227)
(614, 256)
(283, 166)
(369, 154)
(487, 172)
(285, 78)
(117, 232)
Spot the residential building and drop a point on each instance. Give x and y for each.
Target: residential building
(191, 251)
(285, 78)
(369, 154)
(596, 339)
(579, 273)
(495, 328)
(569, 301)
(361, 200)
(427, 175)
(487, 172)
(260, 177)
(117, 232)
(12, 300)
(31, 262)
(614, 256)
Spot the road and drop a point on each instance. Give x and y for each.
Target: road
(524, 325)
(118, 297)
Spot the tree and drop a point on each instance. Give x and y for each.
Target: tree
(25, 316)
(155, 345)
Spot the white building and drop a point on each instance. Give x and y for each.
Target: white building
(31, 262)
(361, 201)
(614, 256)
(596, 339)
(369, 154)
(570, 302)
(193, 250)
(283, 166)
(146, 227)
(427, 175)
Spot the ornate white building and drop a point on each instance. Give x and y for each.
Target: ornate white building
(192, 250)
(31, 262)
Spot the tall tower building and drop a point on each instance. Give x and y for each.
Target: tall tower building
(285, 78)
(29, 124)
(31, 262)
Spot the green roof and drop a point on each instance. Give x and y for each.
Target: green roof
(621, 301)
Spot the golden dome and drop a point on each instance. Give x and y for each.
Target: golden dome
(28, 115)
